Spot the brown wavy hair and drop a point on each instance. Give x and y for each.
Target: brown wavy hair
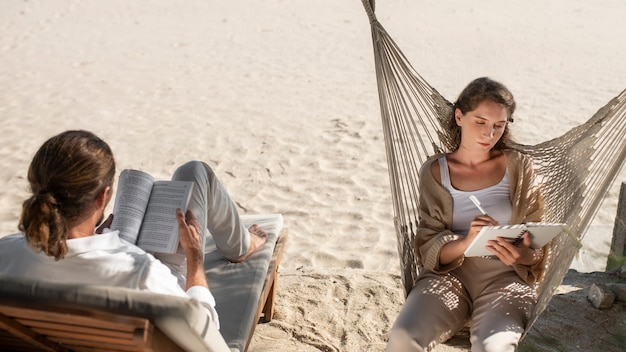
(477, 91)
(66, 175)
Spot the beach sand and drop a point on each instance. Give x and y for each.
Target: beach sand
(280, 98)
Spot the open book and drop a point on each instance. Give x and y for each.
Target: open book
(145, 210)
(540, 233)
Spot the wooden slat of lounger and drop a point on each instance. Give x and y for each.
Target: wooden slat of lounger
(93, 338)
(66, 331)
(64, 328)
(156, 341)
(85, 344)
(95, 319)
(13, 343)
(21, 338)
(266, 301)
(63, 331)
(105, 330)
(70, 326)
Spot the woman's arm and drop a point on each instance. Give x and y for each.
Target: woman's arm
(435, 218)
(454, 249)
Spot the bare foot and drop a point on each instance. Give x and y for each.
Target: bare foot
(258, 238)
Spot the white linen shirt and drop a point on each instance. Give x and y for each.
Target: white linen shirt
(102, 259)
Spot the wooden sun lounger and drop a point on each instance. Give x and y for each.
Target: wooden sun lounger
(46, 316)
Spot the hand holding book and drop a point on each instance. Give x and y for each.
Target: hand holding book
(539, 234)
(145, 210)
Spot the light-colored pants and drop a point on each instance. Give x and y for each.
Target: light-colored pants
(214, 209)
(216, 214)
(483, 291)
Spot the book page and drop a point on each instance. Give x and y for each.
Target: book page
(477, 247)
(540, 233)
(131, 201)
(159, 232)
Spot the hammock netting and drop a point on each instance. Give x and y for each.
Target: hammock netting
(575, 170)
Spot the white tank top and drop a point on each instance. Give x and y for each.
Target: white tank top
(496, 201)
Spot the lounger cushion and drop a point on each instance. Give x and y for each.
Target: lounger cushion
(238, 286)
(183, 320)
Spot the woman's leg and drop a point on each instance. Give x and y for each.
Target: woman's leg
(500, 315)
(436, 308)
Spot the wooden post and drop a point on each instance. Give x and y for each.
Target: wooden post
(617, 255)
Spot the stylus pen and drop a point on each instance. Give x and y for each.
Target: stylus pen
(477, 204)
(482, 210)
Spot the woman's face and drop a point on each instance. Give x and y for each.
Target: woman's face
(482, 127)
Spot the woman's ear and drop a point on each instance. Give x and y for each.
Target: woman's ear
(457, 116)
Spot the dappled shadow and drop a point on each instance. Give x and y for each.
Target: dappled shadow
(571, 323)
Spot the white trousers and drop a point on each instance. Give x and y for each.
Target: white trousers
(214, 209)
(216, 214)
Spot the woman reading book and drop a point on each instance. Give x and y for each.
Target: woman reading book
(493, 293)
(71, 179)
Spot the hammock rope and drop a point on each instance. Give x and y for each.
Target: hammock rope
(575, 170)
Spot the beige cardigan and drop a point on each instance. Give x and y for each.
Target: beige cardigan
(435, 214)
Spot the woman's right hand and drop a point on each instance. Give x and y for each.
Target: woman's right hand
(454, 249)
(476, 225)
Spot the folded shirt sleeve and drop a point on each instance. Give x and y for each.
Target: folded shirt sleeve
(205, 297)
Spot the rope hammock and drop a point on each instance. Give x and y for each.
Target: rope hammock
(575, 170)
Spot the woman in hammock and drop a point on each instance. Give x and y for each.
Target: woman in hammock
(494, 294)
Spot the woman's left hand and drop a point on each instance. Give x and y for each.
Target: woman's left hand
(511, 254)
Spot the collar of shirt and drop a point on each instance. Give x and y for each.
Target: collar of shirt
(105, 241)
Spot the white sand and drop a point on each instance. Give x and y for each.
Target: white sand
(280, 98)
